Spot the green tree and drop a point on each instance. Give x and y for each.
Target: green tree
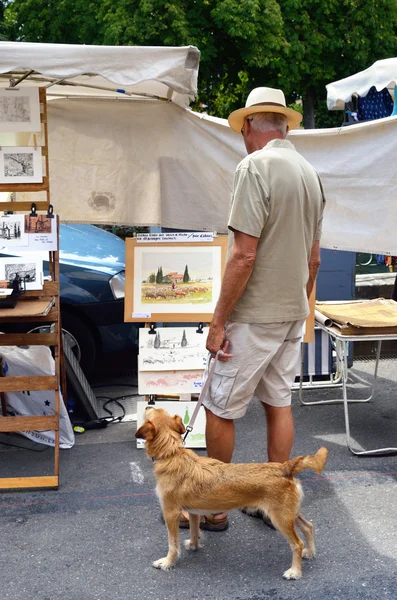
(159, 276)
(156, 343)
(186, 277)
(236, 38)
(298, 45)
(329, 40)
(55, 21)
(151, 278)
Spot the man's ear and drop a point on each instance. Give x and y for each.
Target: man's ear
(147, 431)
(179, 425)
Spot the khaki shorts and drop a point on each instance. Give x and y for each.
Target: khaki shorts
(264, 364)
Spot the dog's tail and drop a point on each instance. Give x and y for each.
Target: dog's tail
(315, 461)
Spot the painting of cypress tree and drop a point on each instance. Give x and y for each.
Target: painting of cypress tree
(186, 277)
(184, 340)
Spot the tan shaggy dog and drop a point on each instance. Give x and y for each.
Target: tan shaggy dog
(203, 485)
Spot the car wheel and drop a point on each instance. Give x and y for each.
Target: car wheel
(81, 339)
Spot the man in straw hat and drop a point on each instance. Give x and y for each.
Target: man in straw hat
(273, 258)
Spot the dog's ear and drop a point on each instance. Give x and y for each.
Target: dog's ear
(179, 425)
(147, 431)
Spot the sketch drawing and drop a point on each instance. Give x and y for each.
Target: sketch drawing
(20, 165)
(172, 348)
(15, 109)
(20, 109)
(26, 271)
(170, 382)
(12, 231)
(196, 439)
(29, 270)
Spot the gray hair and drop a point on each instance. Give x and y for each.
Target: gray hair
(269, 121)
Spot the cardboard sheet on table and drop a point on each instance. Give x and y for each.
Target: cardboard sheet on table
(366, 316)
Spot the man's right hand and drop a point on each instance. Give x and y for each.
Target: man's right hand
(216, 341)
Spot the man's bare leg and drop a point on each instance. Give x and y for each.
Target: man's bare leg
(280, 432)
(219, 435)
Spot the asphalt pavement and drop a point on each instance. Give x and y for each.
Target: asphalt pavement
(96, 537)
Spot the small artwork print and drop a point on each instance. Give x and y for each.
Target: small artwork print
(26, 271)
(20, 109)
(170, 382)
(172, 348)
(12, 231)
(38, 224)
(14, 109)
(196, 438)
(29, 272)
(20, 165)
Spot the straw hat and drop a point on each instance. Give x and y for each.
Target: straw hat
(264, 99)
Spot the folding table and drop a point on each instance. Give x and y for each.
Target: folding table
(341, 341)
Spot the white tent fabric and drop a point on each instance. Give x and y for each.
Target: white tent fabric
(139, 163)
(165, 72)
(382, 74)
(154, 163)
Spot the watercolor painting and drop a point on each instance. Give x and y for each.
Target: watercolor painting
(20, 109)
(167, 280)
(172, 348)
(170, 382)
(196, 438)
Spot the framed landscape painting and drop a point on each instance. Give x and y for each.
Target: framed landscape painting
(173, 282)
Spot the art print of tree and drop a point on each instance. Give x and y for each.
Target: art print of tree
(19, 164)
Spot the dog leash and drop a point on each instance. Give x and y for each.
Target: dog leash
(203, 392)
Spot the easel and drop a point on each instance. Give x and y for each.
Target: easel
(41, 306)
(136, 307)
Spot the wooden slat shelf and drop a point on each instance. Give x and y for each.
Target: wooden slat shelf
(31, 423)
(21, 187)
(22, 206)
(28, 339)
(19, 483)
(28, 384)
(41, 306)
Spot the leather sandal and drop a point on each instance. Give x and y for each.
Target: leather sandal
(258, 514)
(209, 523)
(183, 521)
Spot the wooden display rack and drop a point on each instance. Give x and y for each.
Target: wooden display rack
(36, 307)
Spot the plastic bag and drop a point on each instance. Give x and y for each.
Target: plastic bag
(31, 361)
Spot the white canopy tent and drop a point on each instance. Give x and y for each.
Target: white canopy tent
(139, 160)
(113, 71)
(382, 74)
